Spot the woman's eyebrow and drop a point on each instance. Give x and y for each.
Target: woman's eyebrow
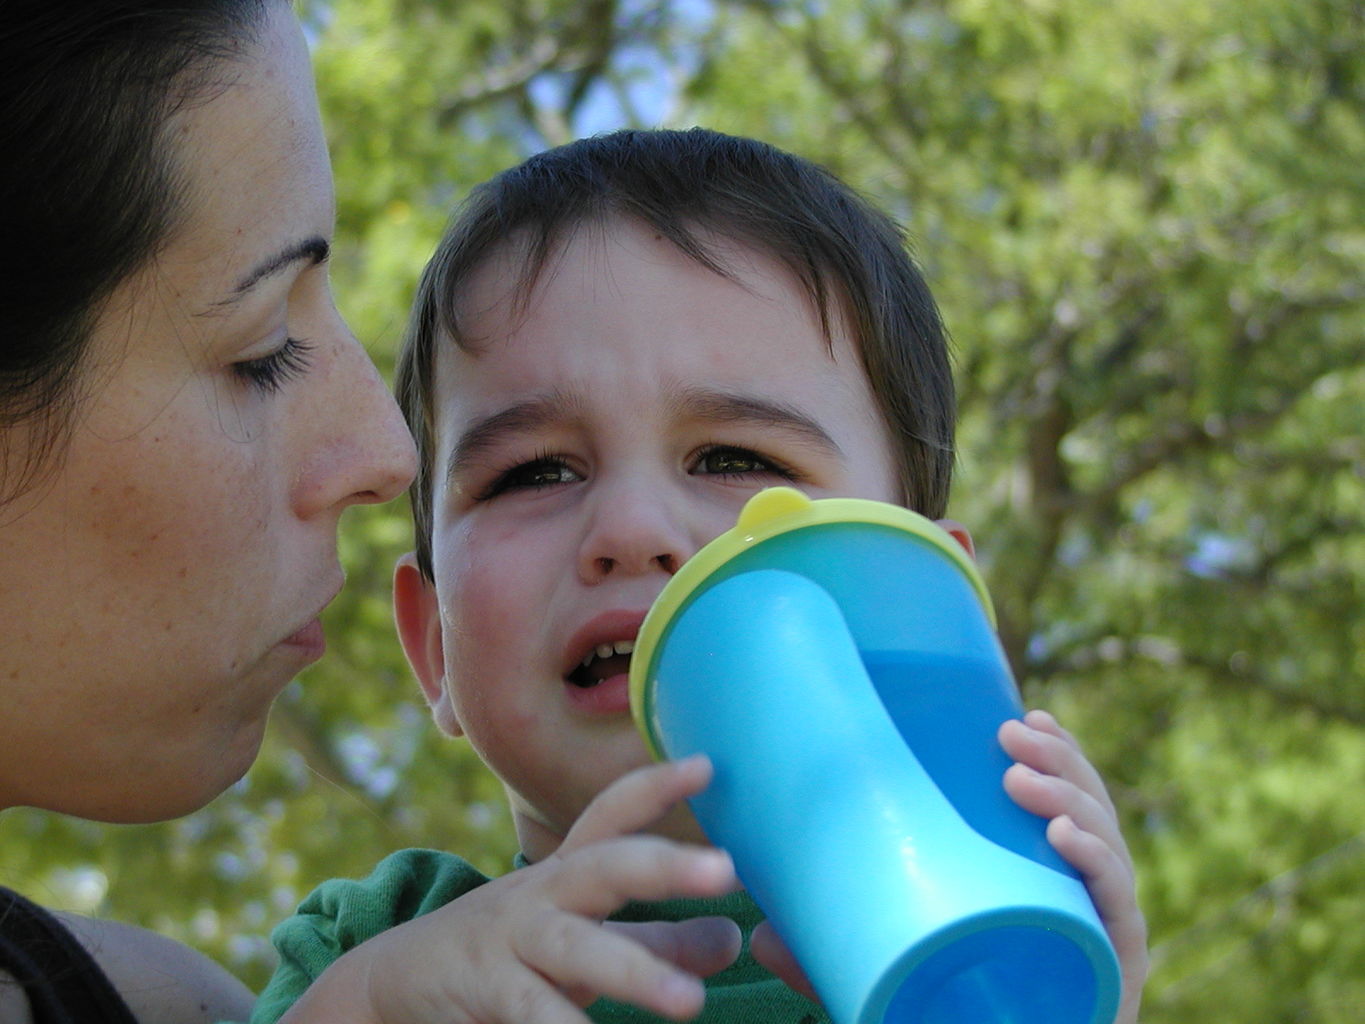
(315, 250)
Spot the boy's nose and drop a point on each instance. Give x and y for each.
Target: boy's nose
(604, 565)
(632, 535)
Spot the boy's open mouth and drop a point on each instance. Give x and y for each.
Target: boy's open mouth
(603, 662)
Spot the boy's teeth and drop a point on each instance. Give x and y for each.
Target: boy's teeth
(607, 650)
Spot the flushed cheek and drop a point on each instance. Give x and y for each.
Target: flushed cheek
(485, 621)
(495, 610)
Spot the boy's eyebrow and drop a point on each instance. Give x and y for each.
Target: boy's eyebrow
(523, 417)
(695, 403)
(710, 404)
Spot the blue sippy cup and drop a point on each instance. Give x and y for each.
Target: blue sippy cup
(838, 663)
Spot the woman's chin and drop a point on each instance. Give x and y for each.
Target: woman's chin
(176, 789)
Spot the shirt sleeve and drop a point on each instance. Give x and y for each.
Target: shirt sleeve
(341, 913)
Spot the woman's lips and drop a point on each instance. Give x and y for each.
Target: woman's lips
(311, 640)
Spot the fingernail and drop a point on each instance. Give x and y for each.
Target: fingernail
(1061, 823)
(718, 860)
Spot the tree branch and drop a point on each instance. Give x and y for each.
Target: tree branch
(507, 79)
(1277, 889)
(849, 96)
(1115, 650)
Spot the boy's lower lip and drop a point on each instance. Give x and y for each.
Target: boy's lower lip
(609, 697)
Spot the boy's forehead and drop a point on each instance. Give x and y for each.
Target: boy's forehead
(499, 293)
(616, 299)
(509, 277)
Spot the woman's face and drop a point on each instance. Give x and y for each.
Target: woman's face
(164, 581)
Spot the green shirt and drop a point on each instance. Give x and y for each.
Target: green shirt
(342, 913)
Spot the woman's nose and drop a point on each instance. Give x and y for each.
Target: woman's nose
(363, 452)
(633, 531)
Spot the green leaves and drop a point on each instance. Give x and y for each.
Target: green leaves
(1145, 222)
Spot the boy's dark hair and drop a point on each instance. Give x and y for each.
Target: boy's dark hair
(90, 186)
(693, 187)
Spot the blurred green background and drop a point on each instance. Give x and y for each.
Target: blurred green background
(1145, 222)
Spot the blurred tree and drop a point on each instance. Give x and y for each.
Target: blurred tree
(1145, 221)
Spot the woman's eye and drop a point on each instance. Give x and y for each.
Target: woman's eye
(723, 460)
(534, 475)
(271, 372)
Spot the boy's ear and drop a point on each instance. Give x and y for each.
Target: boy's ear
(960, 534)
(417, 614)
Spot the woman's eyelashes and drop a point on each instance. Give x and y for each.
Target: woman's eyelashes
(271, 372)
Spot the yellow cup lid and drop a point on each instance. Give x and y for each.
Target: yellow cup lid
(768, 514)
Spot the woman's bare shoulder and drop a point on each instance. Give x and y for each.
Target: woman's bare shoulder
(13, 1002)
(161, 980)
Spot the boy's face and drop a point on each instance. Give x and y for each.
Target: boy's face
(589, 447)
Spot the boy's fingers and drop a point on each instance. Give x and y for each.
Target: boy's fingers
(700, 945)
(1112, 890)
(1106, 875)
(529, 998)
(1039, 742)
(597, 881)
(637, 800)
(1051, 797)
(589, 961)
(769, 950)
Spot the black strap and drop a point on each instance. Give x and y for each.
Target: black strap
(63, 983)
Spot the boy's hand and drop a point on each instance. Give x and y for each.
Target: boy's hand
(531, 947)
(1053, 779)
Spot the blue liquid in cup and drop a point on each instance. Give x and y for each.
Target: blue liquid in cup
(923, 693)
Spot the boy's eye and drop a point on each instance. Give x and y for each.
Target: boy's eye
(270, 372)
(546, 471)
(725, 460)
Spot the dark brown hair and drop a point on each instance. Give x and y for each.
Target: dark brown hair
(693, 186)
(89, 185)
